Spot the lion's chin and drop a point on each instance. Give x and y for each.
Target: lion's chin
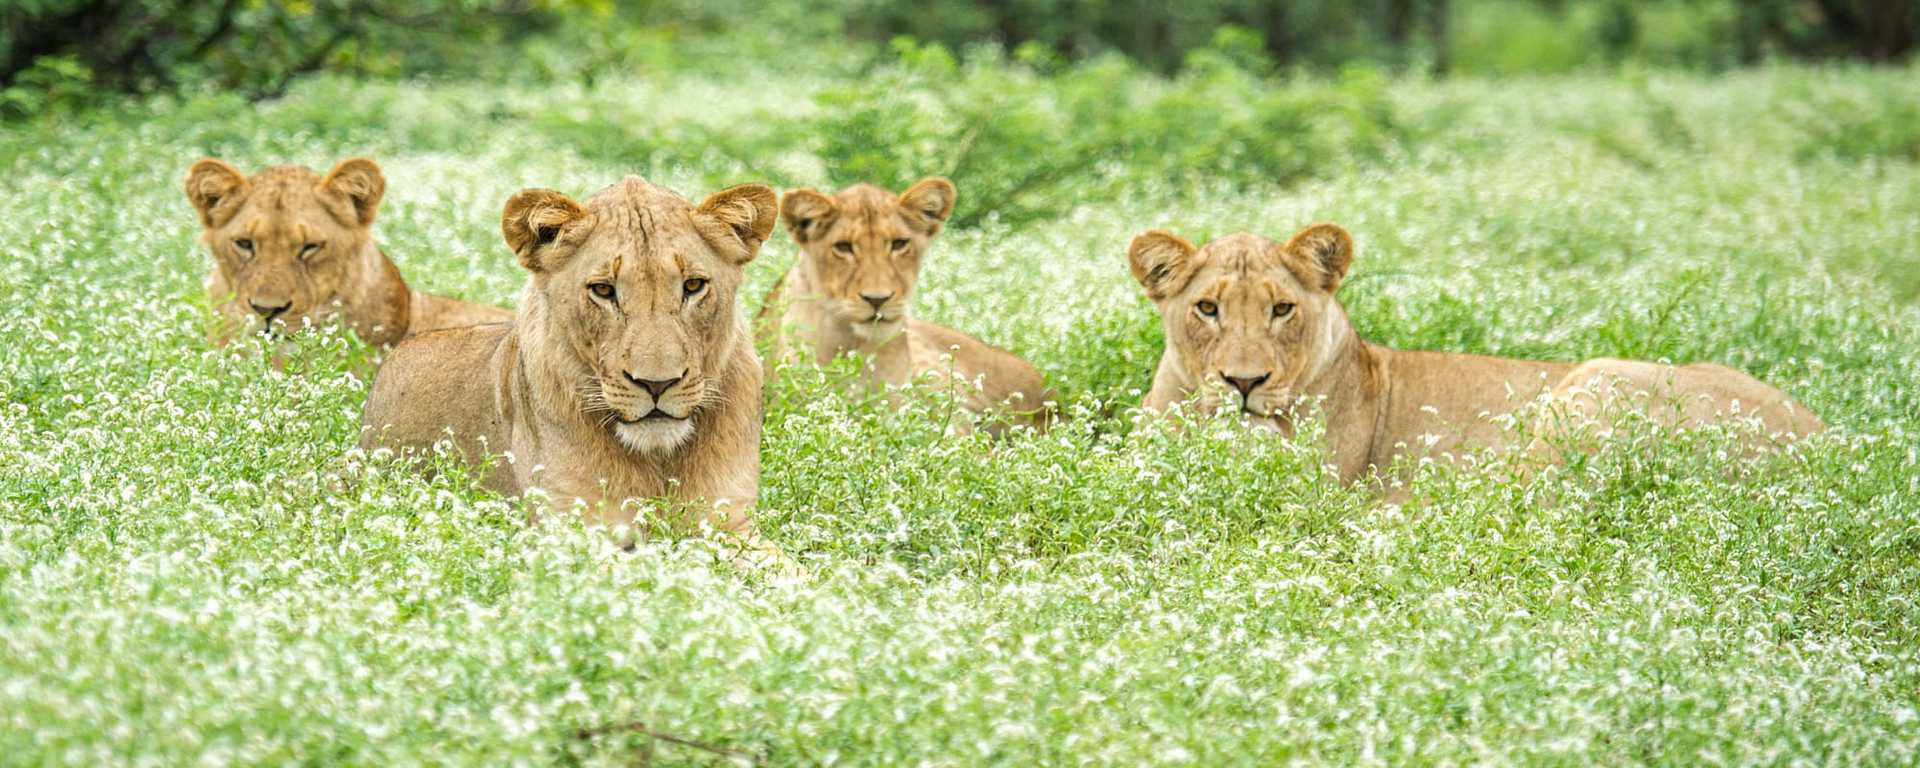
(654, 435)
(869, 329)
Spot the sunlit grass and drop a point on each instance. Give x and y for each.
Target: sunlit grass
(195, 567)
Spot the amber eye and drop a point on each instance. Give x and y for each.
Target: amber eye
(1207, 308)
(843, 248)
(245, 246)
(602, 290)
(307, 251)
(693, 285)
(1282, 310)
(899, 245)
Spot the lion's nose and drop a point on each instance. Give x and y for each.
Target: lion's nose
(877, 301)
(1246, 383)
(268, 311)
(655, 387)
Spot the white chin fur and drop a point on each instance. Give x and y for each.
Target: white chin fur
(866, 331)
(659, 436)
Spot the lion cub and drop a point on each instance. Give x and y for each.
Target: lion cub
(1253, 324)
(291, 246)
(628, 372)
(850, 293)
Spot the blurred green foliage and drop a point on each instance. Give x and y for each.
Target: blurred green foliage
(55, 52)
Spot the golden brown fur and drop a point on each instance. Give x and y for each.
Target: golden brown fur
(291, 247)
(851, 291)
(1254, 324)
(627, 374)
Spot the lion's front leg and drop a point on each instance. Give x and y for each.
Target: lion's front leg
(721, 490)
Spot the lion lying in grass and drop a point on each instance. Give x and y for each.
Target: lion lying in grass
(1254, 324)
(850, 293)
(628, 373)
(291, 247)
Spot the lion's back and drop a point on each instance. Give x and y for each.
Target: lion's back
(435, 383)
(1006, 379)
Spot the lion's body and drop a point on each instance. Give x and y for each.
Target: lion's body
(472, 386)
(309, 255)
(628, 373)
(850, 294)
(1267, 321)
(989, 379)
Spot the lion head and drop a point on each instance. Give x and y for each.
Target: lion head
(1246, 313)
(286, 242)
(631, 306)
(862, 247)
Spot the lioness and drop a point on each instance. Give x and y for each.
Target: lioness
(628, 372)
(1250, 317)
(291, 246)
(850, 293)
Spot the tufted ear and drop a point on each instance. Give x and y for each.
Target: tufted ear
(931, 197)
(532, 222)
(806, 213)
(1161, 261)
(359, 181)
(215, 189)
(748, 213)
(1327, 250)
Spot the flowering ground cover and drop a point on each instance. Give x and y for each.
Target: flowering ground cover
(197, 568)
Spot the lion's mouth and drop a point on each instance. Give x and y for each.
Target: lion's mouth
(867, 326)
(654, 416)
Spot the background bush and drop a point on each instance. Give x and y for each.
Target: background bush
(48, 47)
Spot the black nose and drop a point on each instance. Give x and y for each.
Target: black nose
(268, 311)
(1246, 383)
(876, 301)
(655, 387)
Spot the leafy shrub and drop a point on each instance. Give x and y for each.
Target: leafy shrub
(1010, 140)
(1884, 127)
(51, 84)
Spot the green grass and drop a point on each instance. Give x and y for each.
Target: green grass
(195, 568)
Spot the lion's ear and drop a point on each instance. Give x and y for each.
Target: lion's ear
(532, 221)
(1327, 249)
(932, 197)
(748, 212)
(1161, 261)
(806, 213)
(359, 181)
(213, 187)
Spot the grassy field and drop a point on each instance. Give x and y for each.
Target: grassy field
(196, 569)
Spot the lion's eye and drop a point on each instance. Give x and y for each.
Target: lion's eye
(843, 248)
(694, 285)
(307, 251)
(1207, 308)
(602, 290)
(1282, 310)
(899, 245)
(245, 246)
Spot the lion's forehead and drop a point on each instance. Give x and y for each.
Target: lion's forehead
(633, 194)
(1229, 285)
(869, 211)
(639, 228)
(284, 202)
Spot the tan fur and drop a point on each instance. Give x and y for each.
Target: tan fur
(1380, 402)
(568, 387)
(312, 256)
(866, 244)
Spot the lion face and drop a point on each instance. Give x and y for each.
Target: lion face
(633, 297)
(862, 247)
(1247, 318)
(287, 241)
